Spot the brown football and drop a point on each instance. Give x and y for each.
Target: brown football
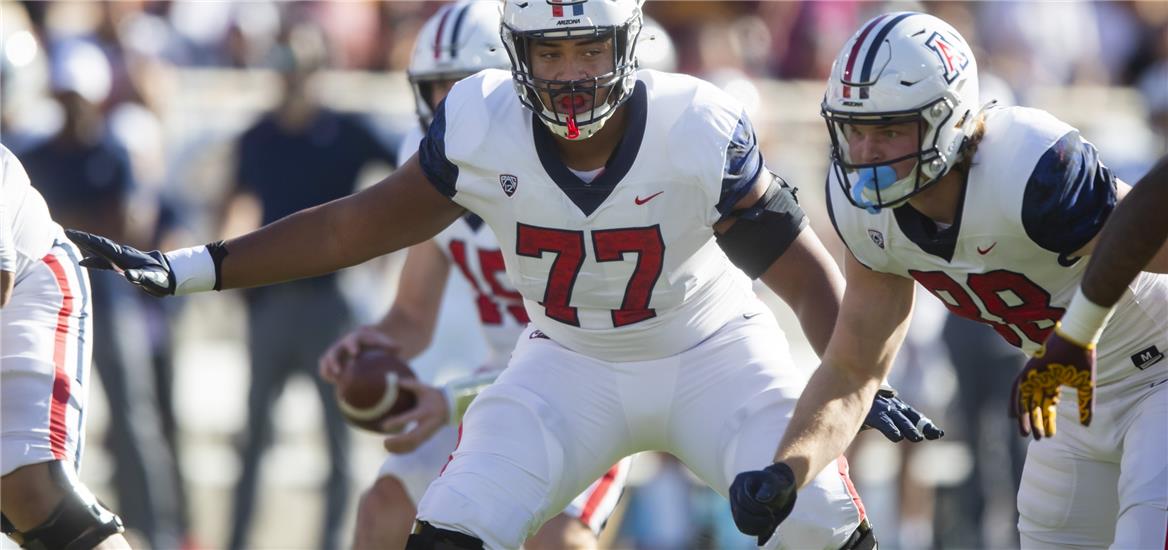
(367, 390)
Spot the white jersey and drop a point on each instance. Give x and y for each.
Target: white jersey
(471, 247)
(624, 267)
(1036, 193)
(27, 232)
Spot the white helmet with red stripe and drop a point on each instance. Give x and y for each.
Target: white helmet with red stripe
(525, 21)
(461, 39)
(901, 67)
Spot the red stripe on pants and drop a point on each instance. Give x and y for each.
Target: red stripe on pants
(842, 464)
(58, 432)
(598, 495)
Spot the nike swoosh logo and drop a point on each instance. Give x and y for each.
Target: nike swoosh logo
(751, 315)
(641, 201)
(986, 251)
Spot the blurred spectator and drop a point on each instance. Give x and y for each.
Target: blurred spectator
(985, 366)
(1064, 49)
(300, 155)
(86, 178)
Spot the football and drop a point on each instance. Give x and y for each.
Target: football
(368, 392)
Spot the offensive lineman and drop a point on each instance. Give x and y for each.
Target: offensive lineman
(623, 202)
(992, 210)
(45, 341)
(444, 53)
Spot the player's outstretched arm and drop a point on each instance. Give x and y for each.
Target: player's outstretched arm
(836, 400)
(807, 279)
(863, 345)
(401, 210)
(1135, 238)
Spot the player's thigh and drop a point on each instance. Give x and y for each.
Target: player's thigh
(738, 394)
(44, 368)
(1143, 477)
(547, 428)
(1067, 499)
(416, 470)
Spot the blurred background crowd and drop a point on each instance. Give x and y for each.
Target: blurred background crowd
(142, 119)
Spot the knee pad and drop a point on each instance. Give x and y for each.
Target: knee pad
(79, 522)
(428, 537)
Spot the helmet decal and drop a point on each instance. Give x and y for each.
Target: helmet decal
(558, 7)
(953, 59)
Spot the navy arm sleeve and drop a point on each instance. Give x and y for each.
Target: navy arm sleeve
(1068, 197)
(442, 173)
(743, 164)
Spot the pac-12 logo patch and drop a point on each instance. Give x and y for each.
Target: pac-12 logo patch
(509, 183)
(877, 237)
(953, 58)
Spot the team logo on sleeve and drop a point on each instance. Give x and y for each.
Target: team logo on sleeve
(509, 183)
(877, 237)
(952, 57)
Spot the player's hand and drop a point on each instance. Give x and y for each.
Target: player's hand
(897, 420)
(762, 499)
(334, 359)
(149, 271)
(427, 417)
(1034, 399)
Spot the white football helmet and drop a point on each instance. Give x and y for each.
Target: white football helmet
(459, 40)
(528, 20)
(901, 67)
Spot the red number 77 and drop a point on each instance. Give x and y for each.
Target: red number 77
(610, 246)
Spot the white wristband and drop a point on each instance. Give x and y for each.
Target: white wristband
(1084, 320)
(193, 269)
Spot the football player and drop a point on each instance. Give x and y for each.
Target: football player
(992, 210)
(632, 209)
(459, 40)
(46, 348)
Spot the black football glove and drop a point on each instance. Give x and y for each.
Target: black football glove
(150, 271)
(762, 499)
(897, 420)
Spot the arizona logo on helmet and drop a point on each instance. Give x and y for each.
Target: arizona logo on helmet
(558, 7)
(954, 58)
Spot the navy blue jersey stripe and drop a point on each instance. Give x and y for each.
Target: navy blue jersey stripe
(874, 48)
(442, 173)
(1069, 195)
(454, 32)
(743, 164)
